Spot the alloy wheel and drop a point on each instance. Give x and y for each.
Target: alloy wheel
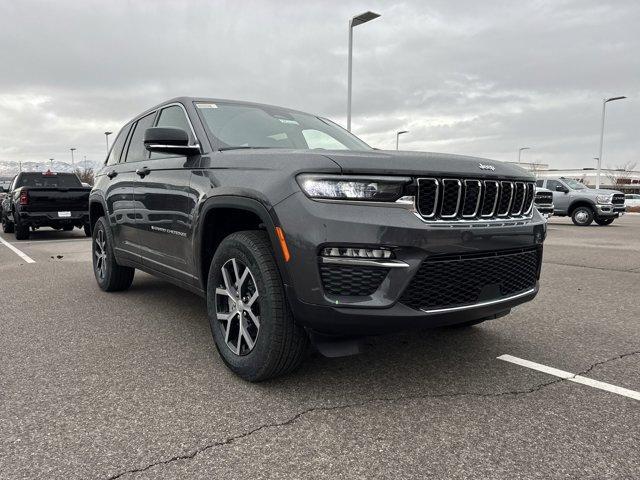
(238, 307)
(582, 216)
(100, 253)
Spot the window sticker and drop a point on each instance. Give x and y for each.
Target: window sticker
(206, 105)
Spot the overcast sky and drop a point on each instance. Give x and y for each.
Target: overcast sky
(474, 77)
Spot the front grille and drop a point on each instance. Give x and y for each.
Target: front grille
(453, 199)
(351, 280)
(456, 280)
(544, 198)
(618, 199)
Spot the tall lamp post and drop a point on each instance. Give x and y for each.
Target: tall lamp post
(354, 22)
(398, 136)
(106, 135)
(73, 164)
(604, 106)
(520, 152)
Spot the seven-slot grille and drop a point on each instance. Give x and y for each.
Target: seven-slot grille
(473, 199)
(618, 199)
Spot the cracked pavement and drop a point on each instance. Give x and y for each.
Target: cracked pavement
(129, 385)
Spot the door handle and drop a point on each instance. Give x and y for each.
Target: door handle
(143, 172)
(112, 174)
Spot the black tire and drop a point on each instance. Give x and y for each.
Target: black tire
(604, 221)
(22, 232)
(87, 229)
(7, 225)
(582, 216)
(280, 344)
(110, 276)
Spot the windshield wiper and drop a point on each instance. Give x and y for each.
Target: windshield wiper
(241, 147)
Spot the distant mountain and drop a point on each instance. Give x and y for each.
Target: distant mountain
(9, 168)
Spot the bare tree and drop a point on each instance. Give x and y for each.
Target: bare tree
(85, 175)
(620, 174)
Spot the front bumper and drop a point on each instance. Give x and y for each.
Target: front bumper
(608, 211)
(545, 210)
(52, 219)
(311, 226)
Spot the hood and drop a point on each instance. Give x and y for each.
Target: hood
(384, 162)
(598, 191)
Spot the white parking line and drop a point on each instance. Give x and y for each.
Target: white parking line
(572, 377)
(21, 254)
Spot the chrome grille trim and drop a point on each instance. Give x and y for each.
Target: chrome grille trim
(524, 197)
(475, 211)
(518, 209)
(435, 201)
(508, 209)
(458, 184)
(495, 202)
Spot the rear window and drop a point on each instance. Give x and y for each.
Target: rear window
(58, 180)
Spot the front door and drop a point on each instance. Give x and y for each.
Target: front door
(166, 204)
(561, 200)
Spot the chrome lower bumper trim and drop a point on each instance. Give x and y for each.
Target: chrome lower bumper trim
(481, 304)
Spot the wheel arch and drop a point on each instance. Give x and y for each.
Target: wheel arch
(232, 214)
(97, 209)
(581, 203)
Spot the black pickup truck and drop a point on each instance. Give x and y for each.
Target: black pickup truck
(45, 199)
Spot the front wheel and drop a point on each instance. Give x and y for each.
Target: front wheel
(250, 319)
(604, 221)
(582, 216)
(110, 276)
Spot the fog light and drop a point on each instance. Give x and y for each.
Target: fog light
(351, 252)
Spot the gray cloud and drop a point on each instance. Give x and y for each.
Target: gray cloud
(463, 76)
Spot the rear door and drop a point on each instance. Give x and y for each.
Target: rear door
(166, 203)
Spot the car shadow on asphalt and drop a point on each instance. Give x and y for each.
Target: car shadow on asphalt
(401, 364)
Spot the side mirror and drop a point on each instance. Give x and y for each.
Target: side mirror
(169, 140)
(563, 189)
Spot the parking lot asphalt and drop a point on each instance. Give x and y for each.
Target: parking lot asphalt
(129, 385)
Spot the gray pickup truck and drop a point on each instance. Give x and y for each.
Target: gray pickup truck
(583, 204)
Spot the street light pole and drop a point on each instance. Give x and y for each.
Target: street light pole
(354, 22)
(106, 135)
(398, 136)
(604, 105)
(520, 152)
(72, 162)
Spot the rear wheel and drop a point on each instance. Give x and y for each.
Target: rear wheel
(110, 276)
(604, 221)
(582, 216)
(250, 319)
(22, 231)
(7, 225)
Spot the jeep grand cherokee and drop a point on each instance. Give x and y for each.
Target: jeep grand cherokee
(292, 227)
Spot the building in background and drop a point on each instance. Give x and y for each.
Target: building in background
(627, 181)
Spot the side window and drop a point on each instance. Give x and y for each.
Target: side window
(173, 116)
(539, 183)
(318, 139)
(136, 151)
(552, 184)
(116, 150)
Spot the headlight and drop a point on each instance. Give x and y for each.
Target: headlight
(603, 199)
(338, 187)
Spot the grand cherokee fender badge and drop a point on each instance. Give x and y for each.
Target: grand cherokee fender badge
(484, 166)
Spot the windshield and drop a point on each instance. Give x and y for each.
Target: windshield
(575, 185)
(251, 126)
(49, 180)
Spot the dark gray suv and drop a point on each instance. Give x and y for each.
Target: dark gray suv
(294, 229)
